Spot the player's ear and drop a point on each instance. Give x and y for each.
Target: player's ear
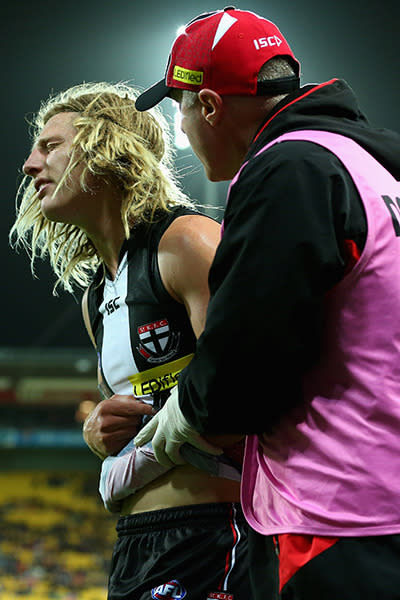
(211, 106)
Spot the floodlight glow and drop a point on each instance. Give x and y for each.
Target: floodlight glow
(180, 139)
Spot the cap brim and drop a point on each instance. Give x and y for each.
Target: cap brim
(152, 96)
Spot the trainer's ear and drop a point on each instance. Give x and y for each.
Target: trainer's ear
(211, 106)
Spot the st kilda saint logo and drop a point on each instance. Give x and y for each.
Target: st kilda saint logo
(157, 343)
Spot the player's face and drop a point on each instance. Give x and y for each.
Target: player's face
(47, 164)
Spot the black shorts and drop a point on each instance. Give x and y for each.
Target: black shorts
(194, 552)
(353, 568)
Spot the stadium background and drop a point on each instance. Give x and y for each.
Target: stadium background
(55, 536)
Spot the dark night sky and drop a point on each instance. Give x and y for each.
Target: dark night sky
(51, 45)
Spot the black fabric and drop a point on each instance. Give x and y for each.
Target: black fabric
(185, 547)
(354, 568)
(284, 248)
(332, 106)
(282, 85)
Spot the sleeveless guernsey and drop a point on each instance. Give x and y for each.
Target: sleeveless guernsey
(144, 337)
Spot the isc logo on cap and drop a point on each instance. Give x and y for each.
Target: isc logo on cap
(188, 76)
(271, 40)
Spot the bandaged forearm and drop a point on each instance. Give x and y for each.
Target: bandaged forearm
(123, 475)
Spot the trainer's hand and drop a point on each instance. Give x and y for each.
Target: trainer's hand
(168, 430)
(113, 422)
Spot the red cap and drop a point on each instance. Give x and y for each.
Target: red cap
(223, 51)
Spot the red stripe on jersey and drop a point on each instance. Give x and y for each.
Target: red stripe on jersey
(152, 326)
(144, 353)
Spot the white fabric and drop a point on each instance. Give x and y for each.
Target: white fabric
(127, 473)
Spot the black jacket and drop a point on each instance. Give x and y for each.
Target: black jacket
(294, 225)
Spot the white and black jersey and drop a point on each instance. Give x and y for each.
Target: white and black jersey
(143, 336)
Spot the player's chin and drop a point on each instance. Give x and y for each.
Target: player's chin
(48, 209)
(53, 211)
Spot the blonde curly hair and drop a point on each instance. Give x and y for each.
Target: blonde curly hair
(116, 143)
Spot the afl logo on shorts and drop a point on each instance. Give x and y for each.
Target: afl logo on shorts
(172, 590)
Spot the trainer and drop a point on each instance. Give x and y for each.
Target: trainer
(301, 348)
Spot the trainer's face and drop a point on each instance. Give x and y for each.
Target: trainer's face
(47, 164)
(206, 140)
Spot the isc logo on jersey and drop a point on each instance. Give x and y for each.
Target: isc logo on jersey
(172, 590)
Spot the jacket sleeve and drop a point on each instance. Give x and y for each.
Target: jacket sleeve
(281, 251)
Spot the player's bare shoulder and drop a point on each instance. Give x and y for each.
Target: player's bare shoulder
(185, 253)
(191, 234)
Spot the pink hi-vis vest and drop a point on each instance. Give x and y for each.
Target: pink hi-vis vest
(333, 467)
